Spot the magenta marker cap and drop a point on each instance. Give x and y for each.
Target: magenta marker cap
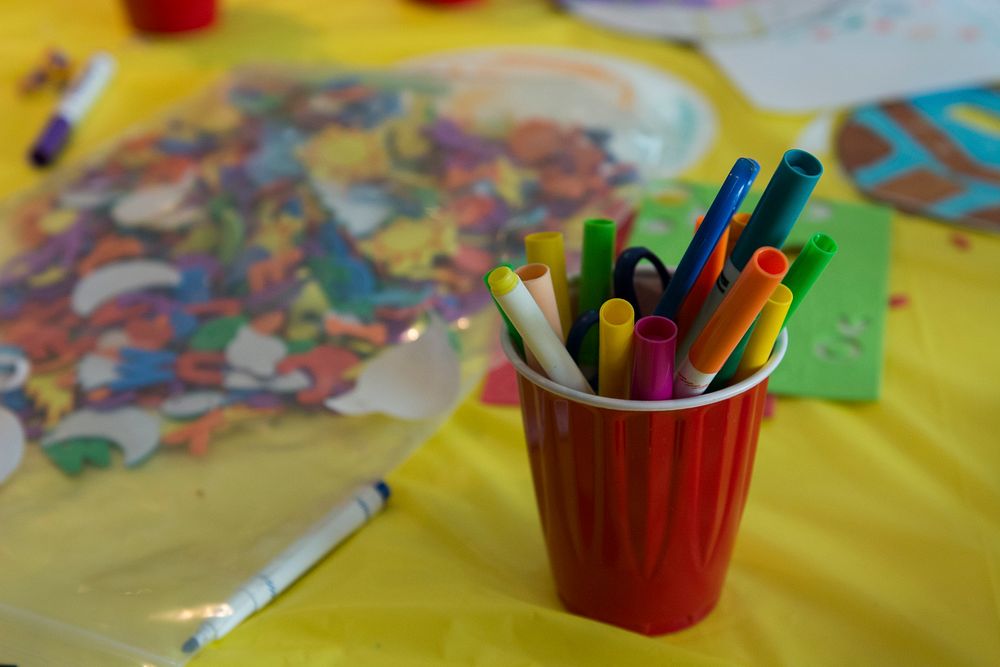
(654, 346)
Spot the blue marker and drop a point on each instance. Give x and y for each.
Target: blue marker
(773, 218)
(732, 193)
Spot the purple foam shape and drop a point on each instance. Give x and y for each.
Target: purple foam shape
(28, 264)
(10, 307)
(278, 291)
(118, 400)
(53, 291)
(71, 241)
(262, 400)
(450, 135)
(161, 304)
(61, 248)
(210, 265)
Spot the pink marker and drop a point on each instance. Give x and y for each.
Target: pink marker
(654, 347)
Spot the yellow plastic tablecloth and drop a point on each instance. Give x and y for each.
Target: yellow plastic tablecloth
(872, 532)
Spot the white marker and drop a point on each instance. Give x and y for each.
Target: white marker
(530, 322)
(72, 107)
(292, 563)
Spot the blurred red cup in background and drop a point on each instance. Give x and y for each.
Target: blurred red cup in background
(170, 16)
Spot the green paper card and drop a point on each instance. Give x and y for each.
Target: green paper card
(836, 337)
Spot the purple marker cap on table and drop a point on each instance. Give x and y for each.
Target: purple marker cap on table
(50, 143)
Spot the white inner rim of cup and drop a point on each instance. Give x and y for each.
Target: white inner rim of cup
(646, 406)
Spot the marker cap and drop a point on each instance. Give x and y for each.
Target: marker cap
(737, 311)
(502, 281)
(51, 142)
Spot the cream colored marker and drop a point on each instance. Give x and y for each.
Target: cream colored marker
(538, 279)
(538, 336)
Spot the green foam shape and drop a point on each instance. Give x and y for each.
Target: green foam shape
(71, 455)
(215, 334)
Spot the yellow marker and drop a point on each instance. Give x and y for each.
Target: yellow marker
(547, 248)
(614, 375)
(765, 332)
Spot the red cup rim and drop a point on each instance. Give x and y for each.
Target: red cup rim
(539, 380)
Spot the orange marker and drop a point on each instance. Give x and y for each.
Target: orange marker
(703, 285)
(736, 226)
(730, 321)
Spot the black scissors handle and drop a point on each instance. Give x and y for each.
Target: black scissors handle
(625, 274)
(577, 333)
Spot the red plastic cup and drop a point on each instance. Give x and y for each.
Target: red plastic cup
(640, 501)
(170, 15)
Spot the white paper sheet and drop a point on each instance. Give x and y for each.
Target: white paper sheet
(656, 120)
(695, 20)
(866, 51)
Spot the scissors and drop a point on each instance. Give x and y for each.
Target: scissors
(624, 276)
(624, 288)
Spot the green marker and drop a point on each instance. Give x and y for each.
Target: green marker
(595, 276)
(598, 257)
(807, 267)
(515, 337)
